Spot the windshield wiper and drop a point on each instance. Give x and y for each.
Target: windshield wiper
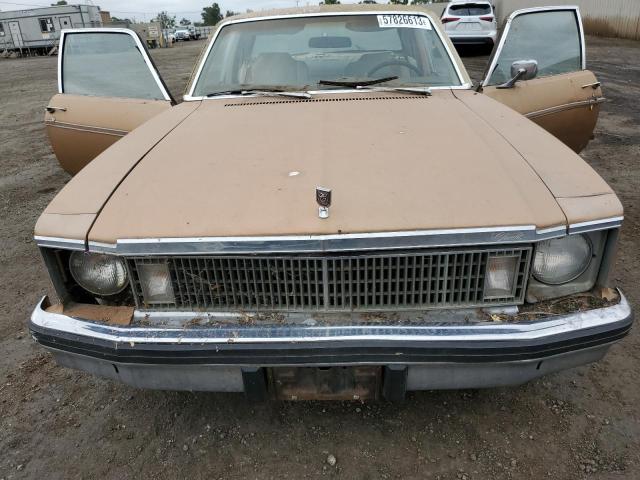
(356, 83)
(370, 85)
(426, 91)
(264, 92)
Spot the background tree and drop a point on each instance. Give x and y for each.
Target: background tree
(165, 20)
(211, 15)
(59, 2)
(230, 13)
(185, 21)
(330, 2)
(121, 20)
(414, 2)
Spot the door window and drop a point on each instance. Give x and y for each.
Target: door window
(108, 64)
(1, 30)
(552, 38)
(46, 25)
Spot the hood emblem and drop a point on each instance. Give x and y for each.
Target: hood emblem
(323, 197)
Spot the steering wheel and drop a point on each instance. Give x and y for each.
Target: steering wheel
(389, 63)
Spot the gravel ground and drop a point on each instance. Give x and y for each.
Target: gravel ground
(57, 423)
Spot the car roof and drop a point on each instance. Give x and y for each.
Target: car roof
(462, 2)
(348, 8)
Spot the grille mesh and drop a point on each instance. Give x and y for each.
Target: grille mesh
(398, 281)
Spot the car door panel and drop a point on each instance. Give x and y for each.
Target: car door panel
(107, 86)
(80, 128)
(564, 98)
(565, 105)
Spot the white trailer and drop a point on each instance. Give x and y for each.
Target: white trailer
(38, 30)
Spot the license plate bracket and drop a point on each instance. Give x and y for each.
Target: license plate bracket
(470, 26)
(325, 383)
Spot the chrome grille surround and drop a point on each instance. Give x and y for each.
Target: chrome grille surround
(391, 280)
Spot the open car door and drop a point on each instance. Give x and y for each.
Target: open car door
(107, 86)
(538, 68)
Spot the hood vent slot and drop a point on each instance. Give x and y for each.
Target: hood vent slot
(323, 100)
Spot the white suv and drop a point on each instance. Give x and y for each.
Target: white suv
(470, 23)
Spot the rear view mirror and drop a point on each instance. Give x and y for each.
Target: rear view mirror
(330, 42)
(521, 70)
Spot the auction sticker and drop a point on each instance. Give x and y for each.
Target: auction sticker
(404, 21)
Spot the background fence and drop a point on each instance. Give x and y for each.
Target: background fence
(608, 18)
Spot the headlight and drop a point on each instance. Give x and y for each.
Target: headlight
(561, 260)
(98, 273)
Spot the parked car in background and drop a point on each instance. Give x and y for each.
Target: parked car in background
(332, 212)
(470, 23)
(195, 34)
(182, 35)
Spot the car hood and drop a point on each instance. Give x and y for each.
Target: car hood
(394, 162)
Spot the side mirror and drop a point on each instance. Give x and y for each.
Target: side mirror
(521, 70)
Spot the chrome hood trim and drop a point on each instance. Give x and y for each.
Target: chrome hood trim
(331, 243)
(315, 243)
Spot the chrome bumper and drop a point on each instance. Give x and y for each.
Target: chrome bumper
(214, 358)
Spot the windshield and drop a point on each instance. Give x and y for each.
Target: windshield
(298, 53)
(470, 9)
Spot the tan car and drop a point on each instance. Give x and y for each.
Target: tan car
(332, 212)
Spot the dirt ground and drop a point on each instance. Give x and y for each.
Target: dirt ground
(57, 423)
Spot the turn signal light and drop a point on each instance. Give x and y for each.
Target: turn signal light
(155, 281)
(501, 276)
(487, 19)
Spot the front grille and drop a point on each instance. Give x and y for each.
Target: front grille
(338, 282)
